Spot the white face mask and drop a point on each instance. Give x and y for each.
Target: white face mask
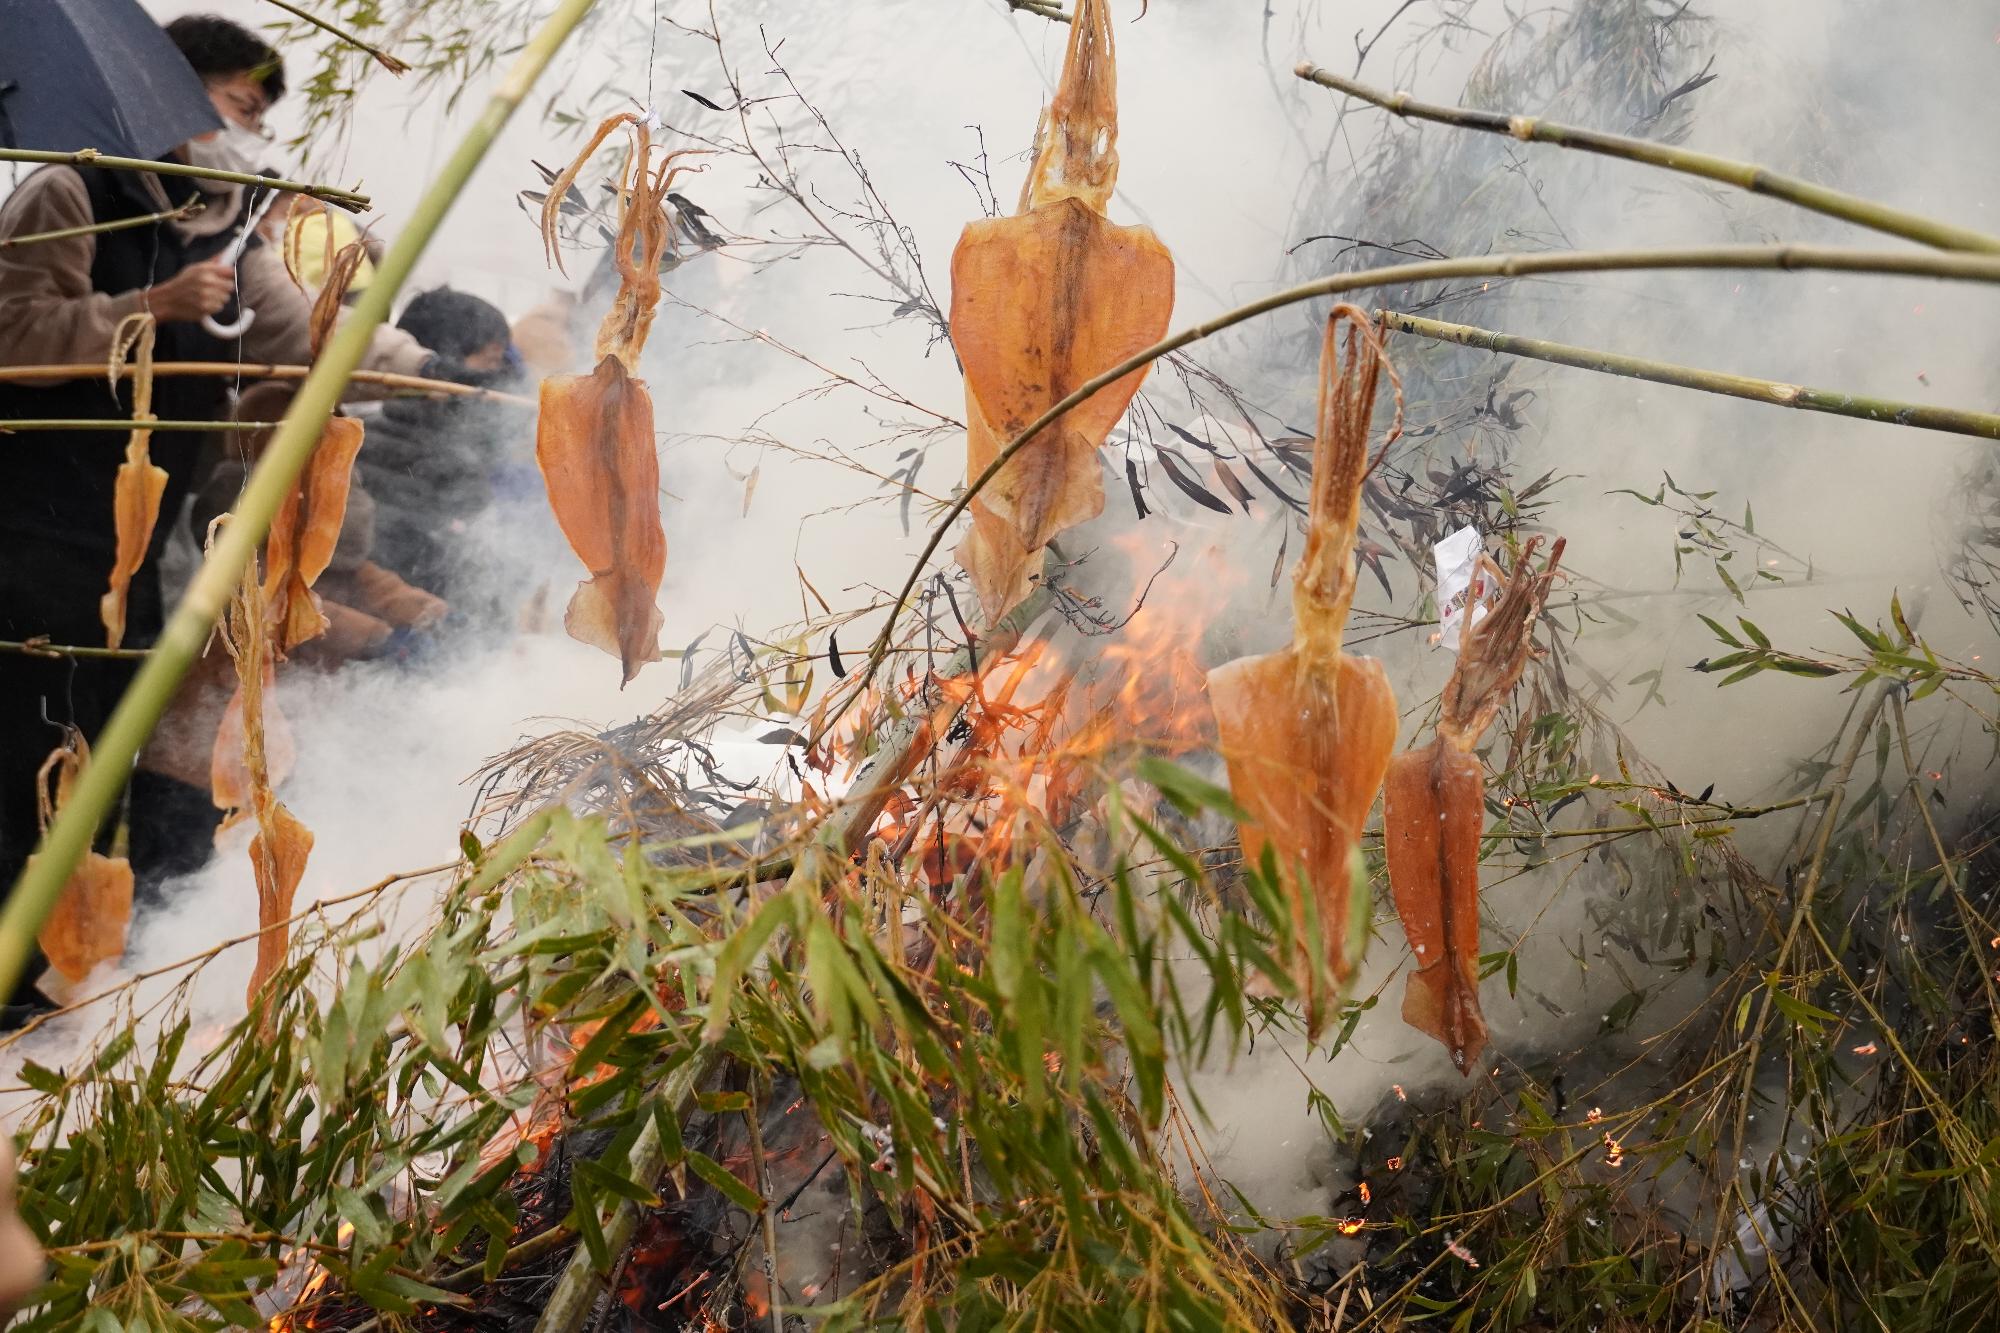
(230, 149)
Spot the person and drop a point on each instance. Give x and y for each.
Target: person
(429, 462)
(60, 302)
(371, 614)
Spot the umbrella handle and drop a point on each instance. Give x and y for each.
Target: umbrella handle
(235, 329)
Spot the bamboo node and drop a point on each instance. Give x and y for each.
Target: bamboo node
(1521, 127)
(1785, 393)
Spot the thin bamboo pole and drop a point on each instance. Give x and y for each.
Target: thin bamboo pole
(1743, 175)
(23, 424)
(383, 58)
(187, 209)
(1784, 258)
(260, 370)
(42, 648)
(1952, 420)
(90, 157)
(114, 751)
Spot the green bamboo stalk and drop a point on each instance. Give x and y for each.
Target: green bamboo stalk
(1784, 258)
(1952, 420)
(90, 157)
(123, 424)
(192, 206)
(114, 751)
(1743, 175)
(383, 58)
(568, 1305)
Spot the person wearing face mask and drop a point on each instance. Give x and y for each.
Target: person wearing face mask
(60, 302)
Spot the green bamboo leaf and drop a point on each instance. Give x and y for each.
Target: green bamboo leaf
(718, 1175)
(1190, 793)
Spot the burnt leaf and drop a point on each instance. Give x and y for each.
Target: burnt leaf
(833, 656)
(695, 96)
(1194, 490)
(781, 736)
(1273, 487)
(1233, 484)
(1191, 438)
(1132, 480)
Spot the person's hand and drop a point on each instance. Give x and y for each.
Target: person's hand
(197, 290)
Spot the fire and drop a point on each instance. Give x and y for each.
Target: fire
(1350, 1225)
(1614, 1153)
(1367, 1195)
(1866, 1048)
(1394, 1164)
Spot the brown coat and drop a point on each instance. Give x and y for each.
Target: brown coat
(49, 313)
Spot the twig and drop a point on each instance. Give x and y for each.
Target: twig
(529, 1250)
(1953, 420)
(187, 631)
(1974, 268)
(253, 370)
(387, 61)
(43, 648)
(1744, 175)
(90, 157)
(187, 209)
(1041, 9)
(761, 1166)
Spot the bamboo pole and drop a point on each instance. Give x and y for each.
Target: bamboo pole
(187, 209)
(383, 58)
(138, 711)
(22, 424)
(43, 648)
(260, 370)
(1784, 258)
(90, 157)
(1952, 420)
(1743, 175)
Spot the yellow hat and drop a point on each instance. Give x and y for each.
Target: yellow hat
(313, 248)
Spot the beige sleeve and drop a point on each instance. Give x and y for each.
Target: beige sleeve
(282, 331)
(48, 312)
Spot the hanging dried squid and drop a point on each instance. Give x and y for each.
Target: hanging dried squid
(594, 441)
(281, 845)
(1307, 731)
(88, 923)
(1434, 810)
(1041, 302)
(304, 533)
(140, 482)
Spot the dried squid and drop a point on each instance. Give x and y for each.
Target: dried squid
(88, 923)
(1041, 302)
(1307, 731)
(1434, 810)
(140, 482)
(304, 533)
(279, 849)
(594, 442)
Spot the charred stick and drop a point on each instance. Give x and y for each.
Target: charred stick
(1743, 175)
(1953, 420)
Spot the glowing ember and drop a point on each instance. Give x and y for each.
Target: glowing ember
(1401, 1096)
(1350, 1225)
(1394, 1164)
(1614, 1155)
(1866, 1048)
(1367, 1195)
(1594, 1115)
(1459, 1251)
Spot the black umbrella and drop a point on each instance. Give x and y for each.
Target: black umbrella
(95, 74)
